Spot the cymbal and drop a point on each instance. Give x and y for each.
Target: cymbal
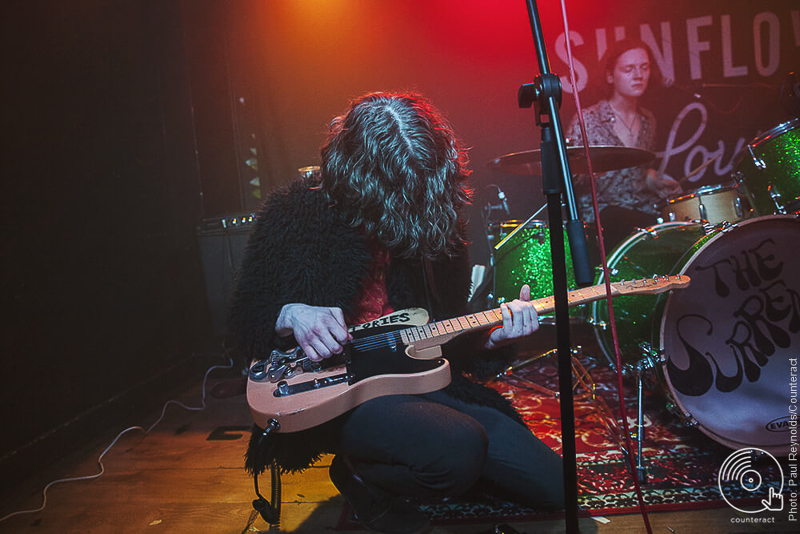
(604, 159)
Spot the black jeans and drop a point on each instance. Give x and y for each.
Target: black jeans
(433, 445)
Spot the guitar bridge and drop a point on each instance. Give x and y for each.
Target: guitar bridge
(285, 365)
(284, 389)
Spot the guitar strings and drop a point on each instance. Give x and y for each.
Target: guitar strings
(393, 338)
(384, 339)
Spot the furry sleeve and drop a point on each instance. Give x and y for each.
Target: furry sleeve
(297, 247)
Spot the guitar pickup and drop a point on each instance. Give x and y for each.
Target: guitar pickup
(283, 389)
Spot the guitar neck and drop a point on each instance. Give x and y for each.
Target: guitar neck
(442, 331)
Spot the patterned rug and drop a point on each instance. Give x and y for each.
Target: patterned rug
(682, 463)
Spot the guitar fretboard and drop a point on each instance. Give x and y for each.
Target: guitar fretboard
(487, 319)
(455, 326)
(492, 318)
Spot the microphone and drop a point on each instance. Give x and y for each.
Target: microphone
(503, 201)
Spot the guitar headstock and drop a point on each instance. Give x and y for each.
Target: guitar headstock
(650, 286)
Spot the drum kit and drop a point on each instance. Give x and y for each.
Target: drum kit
(722, 352)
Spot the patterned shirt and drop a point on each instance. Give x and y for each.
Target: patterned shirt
(626, 188)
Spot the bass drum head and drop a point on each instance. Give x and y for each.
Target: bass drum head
(732, 338)
(657, 250)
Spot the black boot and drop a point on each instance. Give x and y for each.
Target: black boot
(386, 515)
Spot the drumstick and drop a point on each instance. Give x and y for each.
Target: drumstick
(700, 168)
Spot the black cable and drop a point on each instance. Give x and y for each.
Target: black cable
(270, 511)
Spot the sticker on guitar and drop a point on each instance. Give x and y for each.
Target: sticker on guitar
(404, 317)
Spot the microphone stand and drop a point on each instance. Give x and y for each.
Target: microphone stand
(545, 95)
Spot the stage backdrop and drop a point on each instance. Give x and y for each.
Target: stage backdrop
(725, 62)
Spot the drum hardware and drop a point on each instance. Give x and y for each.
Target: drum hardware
(641, 471)
(711, 319)
(584, 382)
(599, 271)
(597, 324)
(776, 198)
(578, 370)
(703, 211)
(708, 228)
(649, 230)
(651, 360)
(759, 163)
(686, 418)
(723, 227)
(502, 206)
(608, 419)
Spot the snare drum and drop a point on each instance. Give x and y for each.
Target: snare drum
(727, 340)
(768, 169)
(714, 204)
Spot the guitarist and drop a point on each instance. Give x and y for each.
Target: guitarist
(379, 229)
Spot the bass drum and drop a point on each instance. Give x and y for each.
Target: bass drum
(729, 342)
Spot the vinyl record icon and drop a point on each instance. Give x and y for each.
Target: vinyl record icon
(738, 478)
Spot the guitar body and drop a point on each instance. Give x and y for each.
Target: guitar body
(399, 353)
(300, 399)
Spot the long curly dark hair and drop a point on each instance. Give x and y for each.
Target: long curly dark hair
(393, 166)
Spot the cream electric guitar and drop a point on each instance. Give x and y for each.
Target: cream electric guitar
(399, 353)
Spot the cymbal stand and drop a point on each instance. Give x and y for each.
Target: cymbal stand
(606, 416)
(643, 367)
(583, 388)
(577, 370)
(487, 217)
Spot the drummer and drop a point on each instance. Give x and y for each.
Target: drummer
(626, 197)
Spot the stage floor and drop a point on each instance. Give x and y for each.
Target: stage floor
(186, 476)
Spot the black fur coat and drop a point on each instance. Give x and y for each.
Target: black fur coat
(301, 251)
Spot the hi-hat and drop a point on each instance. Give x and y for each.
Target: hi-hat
(604, 159)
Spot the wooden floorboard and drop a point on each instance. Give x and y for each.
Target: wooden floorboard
(177, 480)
